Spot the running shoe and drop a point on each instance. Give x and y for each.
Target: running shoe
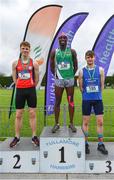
(72, 127)
(35, 141)
(55, 128)
(102, 149)
(15, 142)
(87, 150)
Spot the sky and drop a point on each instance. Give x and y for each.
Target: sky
(14, 15)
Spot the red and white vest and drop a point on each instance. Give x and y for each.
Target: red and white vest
(25, 75)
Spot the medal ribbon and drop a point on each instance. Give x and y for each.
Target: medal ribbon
(25, 66)
(91, 76)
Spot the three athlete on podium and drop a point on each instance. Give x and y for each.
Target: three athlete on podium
(63, 64)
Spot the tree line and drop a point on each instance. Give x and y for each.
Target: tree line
(6, 81)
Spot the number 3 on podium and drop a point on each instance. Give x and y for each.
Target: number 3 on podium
(108, 166)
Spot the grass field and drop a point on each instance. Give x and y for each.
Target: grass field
(7, 126)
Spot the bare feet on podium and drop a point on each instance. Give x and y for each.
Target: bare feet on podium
(55, 128)
(72, 127)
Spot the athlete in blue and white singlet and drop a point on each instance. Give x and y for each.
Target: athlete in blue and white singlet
(91, 82)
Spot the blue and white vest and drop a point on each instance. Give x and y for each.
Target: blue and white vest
(91, 84)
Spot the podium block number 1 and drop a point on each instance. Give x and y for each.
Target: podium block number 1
(62, 155)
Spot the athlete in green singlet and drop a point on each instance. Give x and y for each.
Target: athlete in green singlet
(64, 66)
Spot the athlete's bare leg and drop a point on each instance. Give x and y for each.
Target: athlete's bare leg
(18, 122)
(32, 115)
(58, 97)
(70, 97)
(85, 126)
(99, 119)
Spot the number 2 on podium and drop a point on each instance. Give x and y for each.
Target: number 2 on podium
(16, 166)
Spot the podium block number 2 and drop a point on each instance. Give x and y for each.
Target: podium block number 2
(17, 166)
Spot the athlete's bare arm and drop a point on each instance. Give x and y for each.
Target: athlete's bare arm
(14, 75)
(52, 62)
(36, 72)
(102, 77)
(74, 58)
(81, 80)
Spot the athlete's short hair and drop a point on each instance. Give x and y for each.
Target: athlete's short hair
(90, 53)
(25, 43)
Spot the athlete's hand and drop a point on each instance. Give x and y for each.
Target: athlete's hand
(36, 65)
(40, 61)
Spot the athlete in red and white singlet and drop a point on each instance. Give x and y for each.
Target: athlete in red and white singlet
(25, 75)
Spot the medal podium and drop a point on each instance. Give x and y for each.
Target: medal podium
(24, 158)
(60, 152)
(99, 163)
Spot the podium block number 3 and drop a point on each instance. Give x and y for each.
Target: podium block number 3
(108, 166)
(17, 166)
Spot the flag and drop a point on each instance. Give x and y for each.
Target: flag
(39, 33)
(70, 27)
(104, 45)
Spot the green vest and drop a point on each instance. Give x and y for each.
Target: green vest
(64, 64)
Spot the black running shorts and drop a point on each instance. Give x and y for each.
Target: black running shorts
(25, 95)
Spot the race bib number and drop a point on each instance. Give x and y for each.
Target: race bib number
(63, 66)
(24, 75)
(91, 89)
